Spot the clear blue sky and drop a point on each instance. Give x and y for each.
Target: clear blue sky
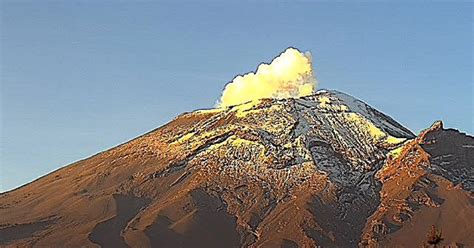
(81, 77)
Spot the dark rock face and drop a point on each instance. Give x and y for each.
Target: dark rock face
(452, 156)
(324, 170)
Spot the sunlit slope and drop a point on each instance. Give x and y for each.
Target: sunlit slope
(309, 171)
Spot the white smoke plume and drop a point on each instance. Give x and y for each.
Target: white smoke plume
(290, 75)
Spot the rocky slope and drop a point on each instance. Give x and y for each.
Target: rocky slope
(323, 170)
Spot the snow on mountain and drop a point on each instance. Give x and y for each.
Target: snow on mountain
(321, 170)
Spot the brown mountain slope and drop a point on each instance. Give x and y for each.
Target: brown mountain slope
(421, 189)
(323, 170)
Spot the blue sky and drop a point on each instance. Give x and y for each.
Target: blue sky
(80, 77)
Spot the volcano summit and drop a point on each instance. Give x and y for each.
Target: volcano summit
(317, 170)
(324, 169)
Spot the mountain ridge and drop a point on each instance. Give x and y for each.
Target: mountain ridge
(300, 172)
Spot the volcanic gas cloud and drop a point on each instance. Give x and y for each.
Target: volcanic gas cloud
(289, 75)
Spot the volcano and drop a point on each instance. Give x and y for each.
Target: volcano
(324, 170)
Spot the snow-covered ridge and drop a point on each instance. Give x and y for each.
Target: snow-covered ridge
(331, 101)
(378, 118)
(290, 131)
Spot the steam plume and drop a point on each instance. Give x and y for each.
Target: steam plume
(289, 75)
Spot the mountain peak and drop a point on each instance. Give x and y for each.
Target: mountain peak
(319, 170)
(290, 133)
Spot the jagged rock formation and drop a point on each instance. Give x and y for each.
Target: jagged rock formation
(425, 182)
(323, 170)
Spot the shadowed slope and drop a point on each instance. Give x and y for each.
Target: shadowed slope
(107, 233)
